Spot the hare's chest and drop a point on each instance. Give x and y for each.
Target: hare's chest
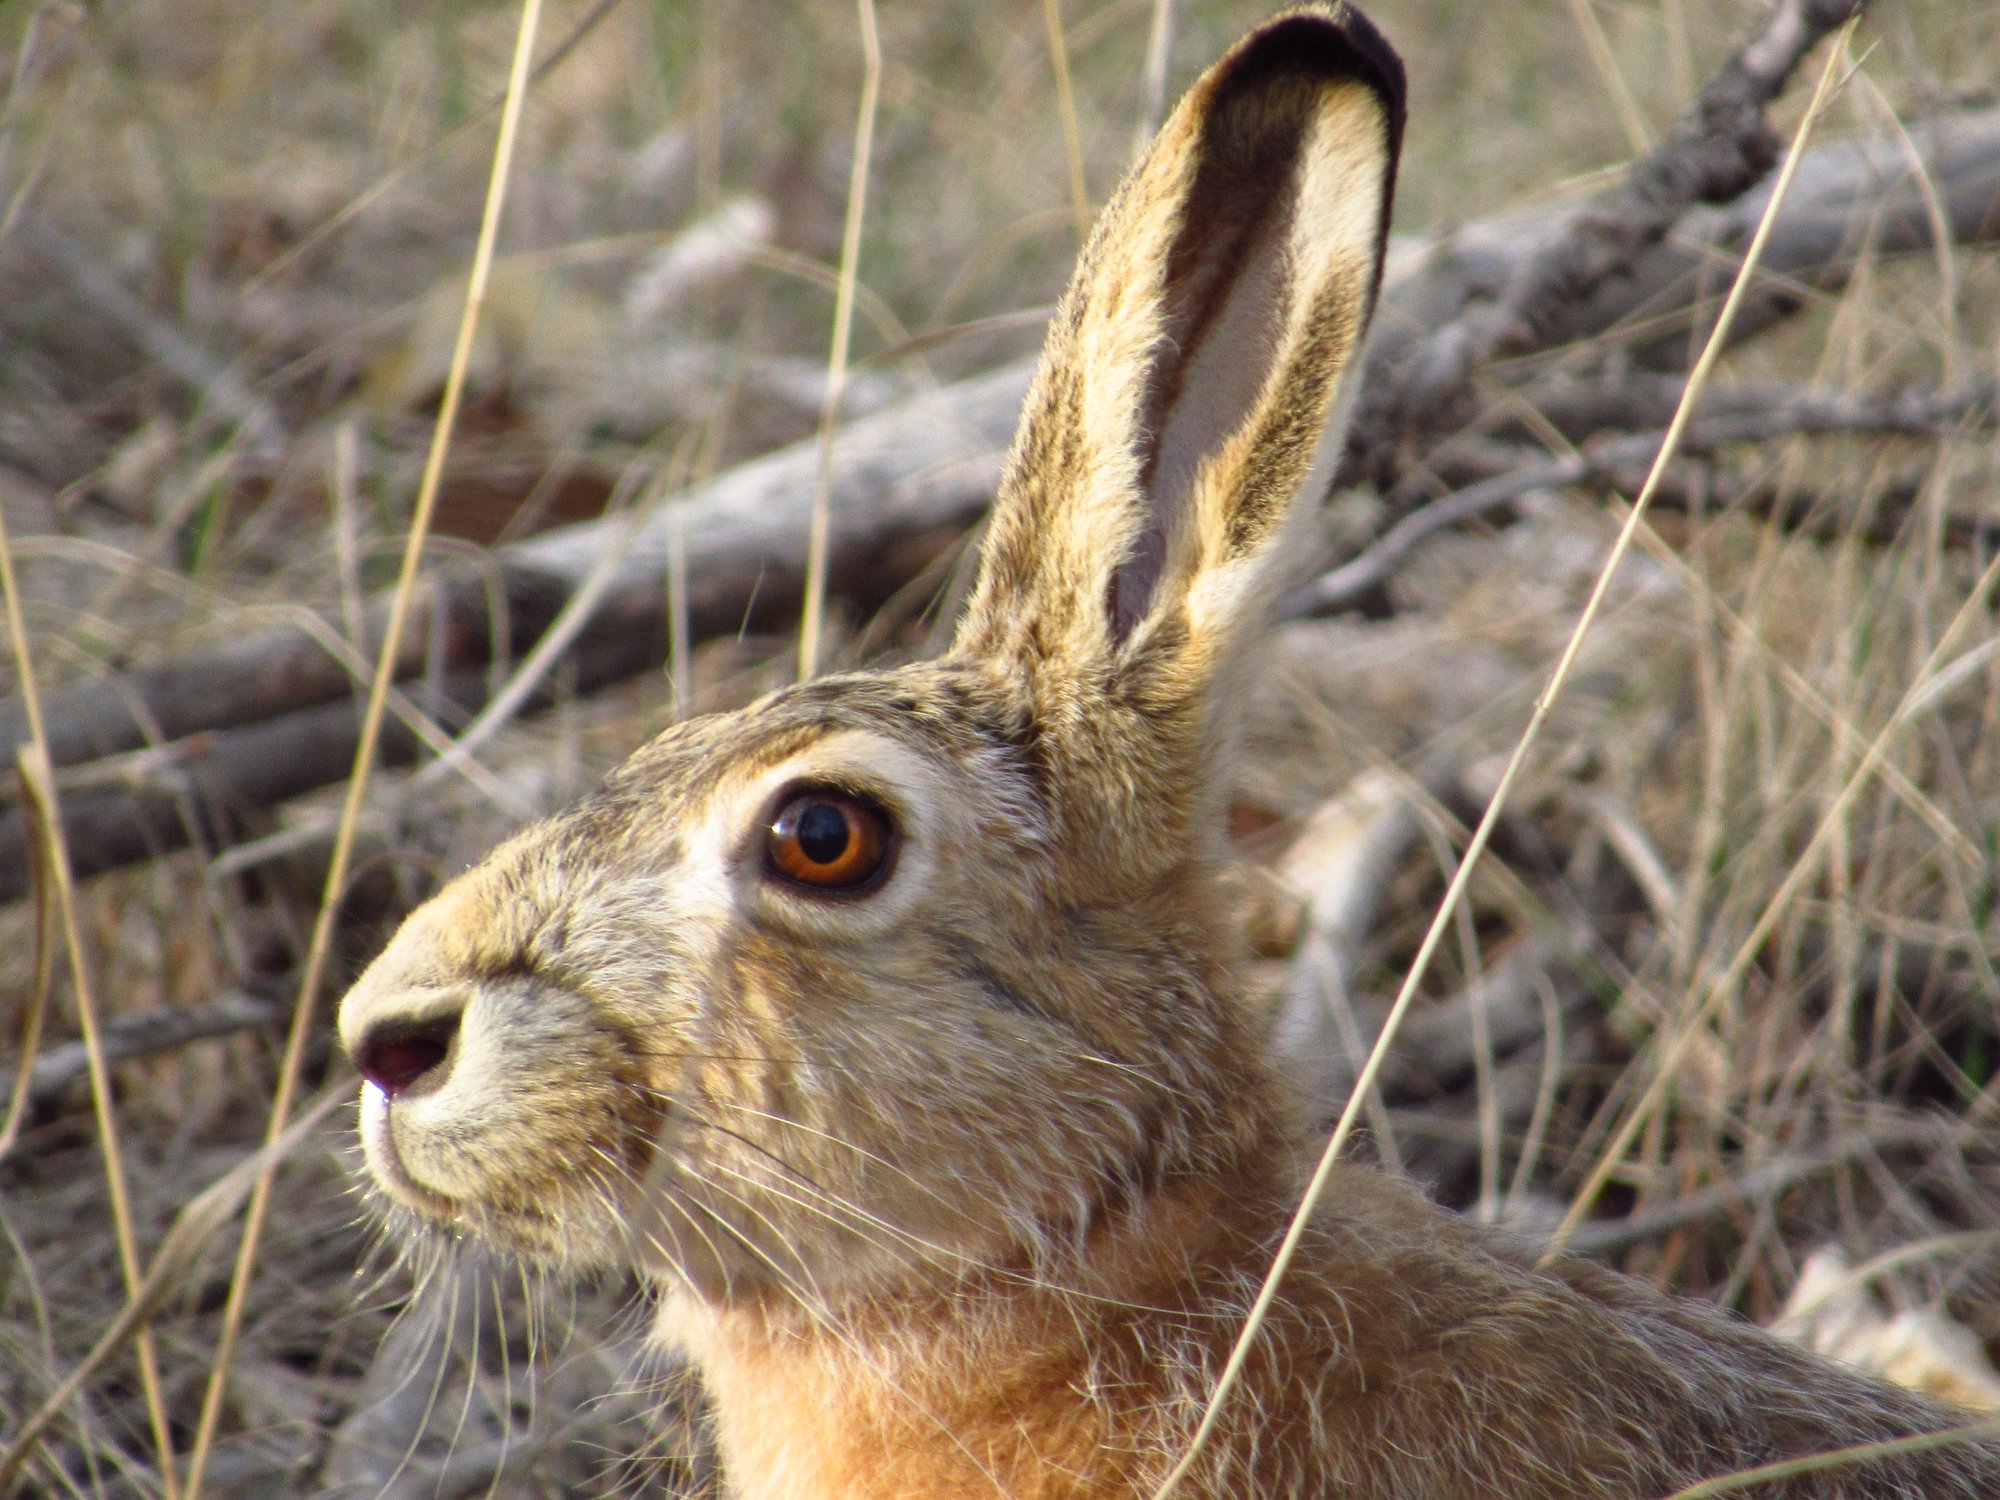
(831, 1418)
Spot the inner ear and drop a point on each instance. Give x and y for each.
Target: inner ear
(1223, 311)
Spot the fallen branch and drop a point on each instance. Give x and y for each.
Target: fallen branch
(146, 1033)
(1720, 148)
(1757, 415)
(1642, 401)
(198, 789)
(913, 475)
(1851, 199)
(214, 382)
(1602, 1236)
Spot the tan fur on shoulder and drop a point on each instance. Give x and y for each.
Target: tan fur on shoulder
(956, 1175)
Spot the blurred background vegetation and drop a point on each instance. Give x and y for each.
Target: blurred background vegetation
(234, 243)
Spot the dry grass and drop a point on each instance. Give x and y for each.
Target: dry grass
(1772, 802)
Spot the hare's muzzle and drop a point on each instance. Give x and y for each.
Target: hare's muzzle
(499, 1102)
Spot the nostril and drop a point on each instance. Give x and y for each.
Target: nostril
(395, 1056)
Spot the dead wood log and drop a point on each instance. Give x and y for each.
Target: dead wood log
(921, 471)
(1850, 199)
(904, 482)
(926, 465)
(1761, 1183)
(197, 789)
(904, 485)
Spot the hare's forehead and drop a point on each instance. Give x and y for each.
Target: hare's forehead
(694, 796)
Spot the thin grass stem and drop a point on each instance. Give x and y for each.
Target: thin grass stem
(811, 624)
(45, 805)
(371, 728)
(1079, 192)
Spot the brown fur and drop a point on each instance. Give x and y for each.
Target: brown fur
(962, 1185)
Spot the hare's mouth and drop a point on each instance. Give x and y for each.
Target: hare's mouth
(391, 1172)
(389, 1169)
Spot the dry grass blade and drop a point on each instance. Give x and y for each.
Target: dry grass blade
(1923, 1442)
(145, 1033)
(179, 1252)
(378, 697)
(1159, 45)
(810, 626)
(1662, 1070)
(36, 1011)
(52, 860)
(1482, 834)
(1079, 193)
(1630, 120)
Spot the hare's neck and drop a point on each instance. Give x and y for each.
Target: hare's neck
(1003, 1388)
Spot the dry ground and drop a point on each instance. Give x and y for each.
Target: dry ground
(1767, 820)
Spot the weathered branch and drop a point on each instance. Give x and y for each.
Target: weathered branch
(1720, 148)
(930, 461)
(915, 474)
(1717, 151)
(197, 789)
(1765, 1182)
(1757, 414)
(145, 1033)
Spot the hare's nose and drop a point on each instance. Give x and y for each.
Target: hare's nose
(396, 1055)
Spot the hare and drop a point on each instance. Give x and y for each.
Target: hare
(893, 1029)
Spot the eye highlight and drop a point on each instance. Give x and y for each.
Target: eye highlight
(827, 840)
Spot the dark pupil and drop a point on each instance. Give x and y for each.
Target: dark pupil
(822, 833)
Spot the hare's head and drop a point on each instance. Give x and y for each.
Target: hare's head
(926, 967)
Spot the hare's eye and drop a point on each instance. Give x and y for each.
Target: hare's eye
(828, 840)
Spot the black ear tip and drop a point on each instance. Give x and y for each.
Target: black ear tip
(1334, 40)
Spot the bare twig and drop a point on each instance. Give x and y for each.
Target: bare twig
(145, 1033)
(1715, 152)
(1767, 1180)
(1731, 418)
(200, 790)
(175, 352)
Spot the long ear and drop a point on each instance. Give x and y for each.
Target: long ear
(1190, 391)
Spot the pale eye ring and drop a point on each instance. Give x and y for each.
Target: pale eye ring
(824, 839)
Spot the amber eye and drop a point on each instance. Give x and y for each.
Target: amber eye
(828, 840)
